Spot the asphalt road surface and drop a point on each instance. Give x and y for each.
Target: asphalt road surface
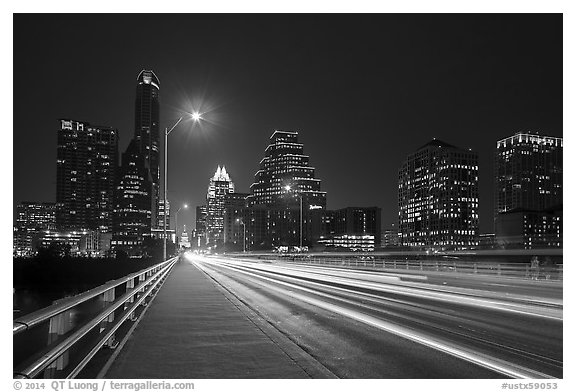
(372, 324)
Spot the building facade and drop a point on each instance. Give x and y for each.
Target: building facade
(87, 160)
(285, 185)
(352, 228)
(199, 237)
(528, 191)
(162, 213)
(438, 198)
(390, 237)
(147, 133)
(285, 175)
(219, 187)
(234, 225)
(132, 207)
(32, 218)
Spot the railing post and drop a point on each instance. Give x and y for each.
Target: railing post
(437, 266)
(108, 299)
(141, 279)
(130, 286)
(421, 268)
(59, 325)
(475, 268)
(499, 271)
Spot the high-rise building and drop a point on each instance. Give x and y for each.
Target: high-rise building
(528, 191)
(147, 134)
(132, 210)
(286, 186)
(438, 197)
(161, 214)
(199, 238)
(234, 225)
(32, 218)
(87, 160)
(285, 174)
(219, 187)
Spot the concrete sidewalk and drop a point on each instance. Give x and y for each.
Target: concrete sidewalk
(194, 329)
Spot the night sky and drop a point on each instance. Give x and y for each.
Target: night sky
(363, 91)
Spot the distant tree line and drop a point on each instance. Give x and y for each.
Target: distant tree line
(55, 269)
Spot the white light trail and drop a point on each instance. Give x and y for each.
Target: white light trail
(501, 366)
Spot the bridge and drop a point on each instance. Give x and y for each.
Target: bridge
(304, 316)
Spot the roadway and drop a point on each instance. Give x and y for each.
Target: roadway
(375, 324)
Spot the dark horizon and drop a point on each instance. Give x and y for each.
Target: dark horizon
(363, 91)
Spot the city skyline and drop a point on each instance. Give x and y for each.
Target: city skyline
(470, 89)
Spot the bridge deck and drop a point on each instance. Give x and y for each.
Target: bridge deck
(195, 330)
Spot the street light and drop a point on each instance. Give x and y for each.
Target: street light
(185, 206)
(195, 117)
(244, 225)
(288, 188)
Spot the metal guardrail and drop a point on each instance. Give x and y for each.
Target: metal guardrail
(60, 340)
(516, 270)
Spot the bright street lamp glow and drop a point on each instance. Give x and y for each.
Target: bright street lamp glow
(196, 116)
(287, 187)
(185, 205)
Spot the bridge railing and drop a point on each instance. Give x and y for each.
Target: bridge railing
(517, 270)
(60, 340)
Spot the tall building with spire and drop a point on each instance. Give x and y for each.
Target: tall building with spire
(438, 197)
(220, 185)
(147, 133)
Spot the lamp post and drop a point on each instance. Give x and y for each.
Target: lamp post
(185, 206)
(244, 226)
(196, 117)
(288, 187)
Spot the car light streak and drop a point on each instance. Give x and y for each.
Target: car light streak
(267, 276)
(415, 290)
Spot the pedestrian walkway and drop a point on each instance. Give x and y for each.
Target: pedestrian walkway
(195, 330)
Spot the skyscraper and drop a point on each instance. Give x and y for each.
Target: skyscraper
(528, 187)
(132, 209)
(220, 185)
(286, 187)
(234, 225)
(161, 214)
(285, 174)
(87, 160)
(31, 219)
(147, 134)
(200, 232)
(438, 197)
